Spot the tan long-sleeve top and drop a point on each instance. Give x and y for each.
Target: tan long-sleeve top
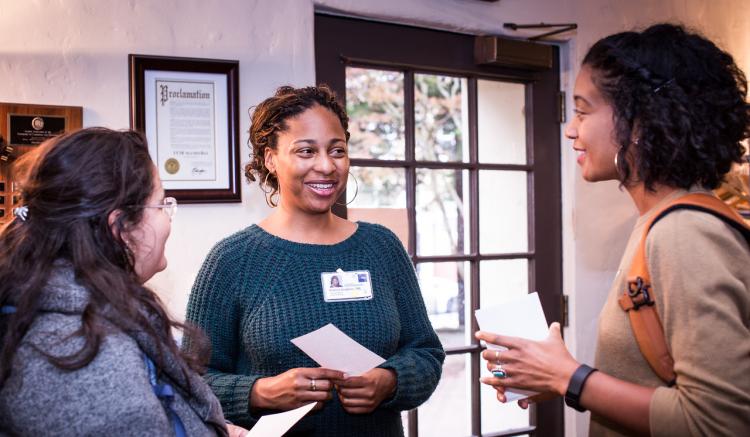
(700, 270)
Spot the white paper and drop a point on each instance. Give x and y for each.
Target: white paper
(522, 318)
(333, 349)
(186, 130)
(275, 425)
(195, 170)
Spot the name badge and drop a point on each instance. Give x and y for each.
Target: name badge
(341, 286)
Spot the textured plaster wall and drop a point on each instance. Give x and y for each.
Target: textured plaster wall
(74, 52)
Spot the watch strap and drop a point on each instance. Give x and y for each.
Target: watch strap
(575, 386)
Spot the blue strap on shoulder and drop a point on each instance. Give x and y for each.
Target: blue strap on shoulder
(165, 393)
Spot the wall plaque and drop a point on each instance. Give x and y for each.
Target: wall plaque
(32, 130)
(22, 128)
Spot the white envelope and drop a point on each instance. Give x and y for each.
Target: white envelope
(522, 318)
(333, 349)
(275, 425)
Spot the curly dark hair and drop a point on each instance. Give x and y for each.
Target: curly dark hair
(681, 96)
(70, 185)
(269, 119)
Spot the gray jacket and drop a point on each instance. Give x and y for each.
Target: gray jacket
(112, 395)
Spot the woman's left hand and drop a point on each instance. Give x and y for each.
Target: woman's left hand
(543, 366)
(362, 394)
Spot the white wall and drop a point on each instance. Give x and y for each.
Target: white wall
(74, 52)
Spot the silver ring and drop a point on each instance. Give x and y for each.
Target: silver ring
(313, 387)
(499, 372)
(497, 356)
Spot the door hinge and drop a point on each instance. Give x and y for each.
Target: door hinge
(565, 310)
(561, 106)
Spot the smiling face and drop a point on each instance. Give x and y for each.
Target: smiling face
(311, 161)
(592, 130)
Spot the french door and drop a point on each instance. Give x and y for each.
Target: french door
(462, 162)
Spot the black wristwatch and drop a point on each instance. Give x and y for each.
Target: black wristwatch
(575, 386)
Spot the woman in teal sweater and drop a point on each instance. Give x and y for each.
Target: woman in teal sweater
(264, 286)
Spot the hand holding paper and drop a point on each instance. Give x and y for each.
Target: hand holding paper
(523, 318)
(333, 349)
(366, 387)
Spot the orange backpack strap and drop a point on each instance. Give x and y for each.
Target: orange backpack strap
(638, 298)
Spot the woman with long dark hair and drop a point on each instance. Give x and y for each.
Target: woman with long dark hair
(86, 348)
(662, 111)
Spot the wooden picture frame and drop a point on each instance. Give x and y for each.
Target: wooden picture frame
(188, 110)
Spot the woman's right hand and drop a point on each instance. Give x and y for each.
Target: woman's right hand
(294, 388)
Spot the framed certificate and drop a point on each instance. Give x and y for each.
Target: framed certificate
(188, 110)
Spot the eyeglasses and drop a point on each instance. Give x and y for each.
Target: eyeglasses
(168, 205)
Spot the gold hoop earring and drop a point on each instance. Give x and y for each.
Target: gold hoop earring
(269, 191)
(356, 190)
(269, 195)
(269, 199)
(265, 180)
(616, 166)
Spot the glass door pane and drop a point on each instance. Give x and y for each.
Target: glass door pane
(503, 212)
(375, 104)
(497, 416)
(501, 122)
(381, 198)
(442, 212)
(405, 421)
(502, 280)
(440, 118)
(448, 411)
(446, 291)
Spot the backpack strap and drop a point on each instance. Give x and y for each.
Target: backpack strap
(638, 298)
(165, 393)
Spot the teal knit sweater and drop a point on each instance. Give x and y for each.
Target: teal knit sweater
(256, 292)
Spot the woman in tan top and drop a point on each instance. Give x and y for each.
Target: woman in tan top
(662, 111)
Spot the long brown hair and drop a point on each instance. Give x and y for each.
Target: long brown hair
(73, 184)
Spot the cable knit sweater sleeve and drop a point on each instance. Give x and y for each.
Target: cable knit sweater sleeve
(418, 362)
(213, 307)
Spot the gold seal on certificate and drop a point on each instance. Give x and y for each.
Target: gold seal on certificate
(172, 166)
